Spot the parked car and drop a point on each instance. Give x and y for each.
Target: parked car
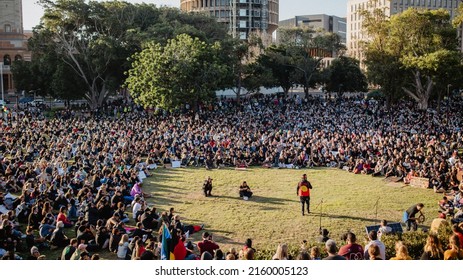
(25, 100)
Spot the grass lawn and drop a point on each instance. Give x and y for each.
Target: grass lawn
(273, 214)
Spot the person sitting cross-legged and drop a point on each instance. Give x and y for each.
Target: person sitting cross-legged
(245, 191)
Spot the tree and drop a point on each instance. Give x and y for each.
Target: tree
(278, 62)
(239, 56)
(46, 74)
(424, 50)
(94, 39)
(306, 49)
(344, 75)
(22, 75)
(186, 70)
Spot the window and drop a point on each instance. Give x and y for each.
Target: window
(6, 59)
(18, 58)
(7, 28)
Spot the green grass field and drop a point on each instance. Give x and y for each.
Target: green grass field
(273, 214)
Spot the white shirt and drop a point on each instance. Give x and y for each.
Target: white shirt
(135, 209)
(382, 249)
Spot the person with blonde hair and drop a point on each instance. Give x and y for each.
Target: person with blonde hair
(281, 253)
(454, 253)
(123, 247)
(401, 252)
(432, 249)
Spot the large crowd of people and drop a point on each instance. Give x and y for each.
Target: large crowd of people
(84, 170)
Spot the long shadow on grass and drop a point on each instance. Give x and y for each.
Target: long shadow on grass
(261, 199)
(155, 187)
(162, 200)
(335, 216)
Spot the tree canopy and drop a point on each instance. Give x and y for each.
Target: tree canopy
(423, 52)
(94, 39)
(186, 70)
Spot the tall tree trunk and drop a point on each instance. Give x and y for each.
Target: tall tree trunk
(422, 93)
(306, 92)
(238, 89)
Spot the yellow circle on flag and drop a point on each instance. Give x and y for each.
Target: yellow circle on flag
(304, 189)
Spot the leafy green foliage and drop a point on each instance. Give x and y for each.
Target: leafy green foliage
(185, 70)
(300, 53)
(94, 39)
(411, 58)
(344, 75)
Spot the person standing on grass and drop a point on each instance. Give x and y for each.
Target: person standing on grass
(303, 191)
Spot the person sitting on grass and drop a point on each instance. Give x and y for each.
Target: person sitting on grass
(332, 250)
(245, 191)
(207, 245)
(122, 249)
(352, 250)
(281, 253)
(315, 254)
(446, 206)
(137, 189)
(432, 249)
(374, 252)
(373, 237)
(383, 229)
(69, 250)
(185, 229)
(401, 252)
(63, 217)
(455, 252)
(207, 187)
(58, 238)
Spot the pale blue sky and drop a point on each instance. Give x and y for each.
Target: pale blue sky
(288, 8)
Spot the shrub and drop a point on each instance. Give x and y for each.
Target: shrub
(415, 241)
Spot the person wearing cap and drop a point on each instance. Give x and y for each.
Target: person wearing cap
(81, 248)
(303, 191)
(207, 187)
(332, 249)
(438, 223)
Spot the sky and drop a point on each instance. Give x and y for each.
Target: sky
(288, 8)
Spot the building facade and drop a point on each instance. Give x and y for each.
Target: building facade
(355, 34)
(241, 16)
(322, 22)
(13, 41)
